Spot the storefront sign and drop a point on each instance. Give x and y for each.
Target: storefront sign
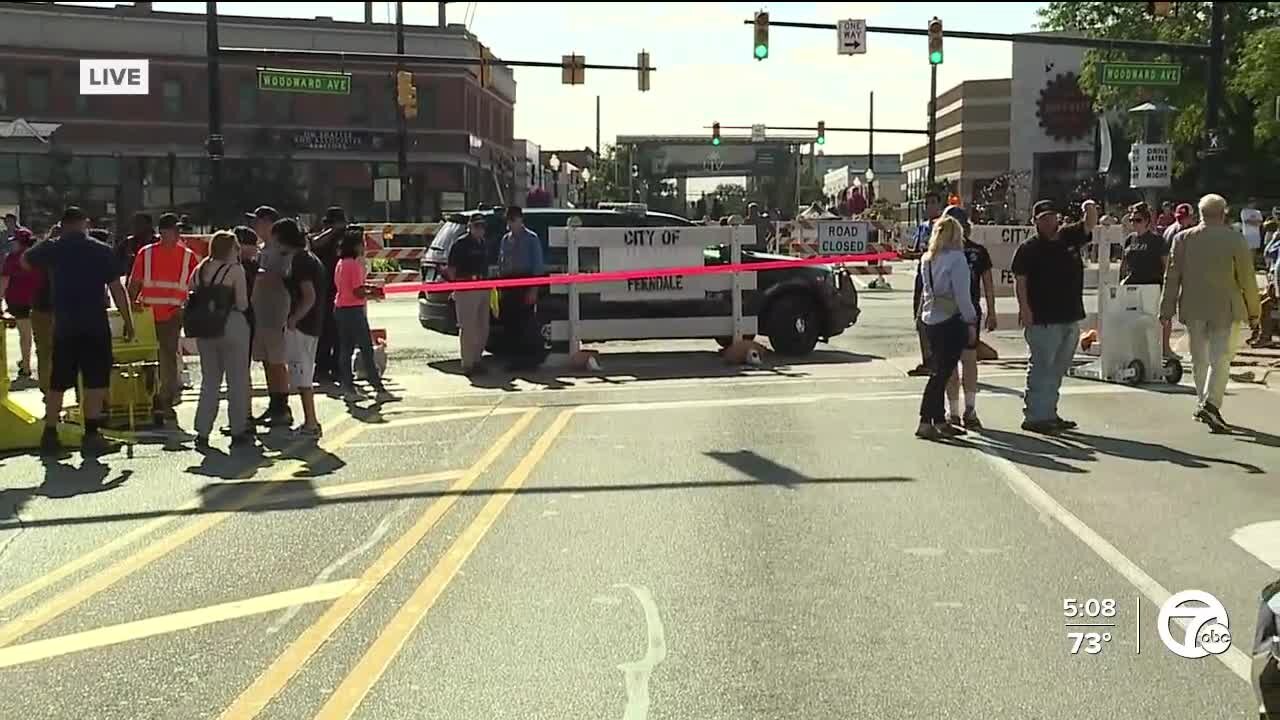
(340, 140)
(304, 81)
(1144, 74)
(1065, 112)
(1150, 166)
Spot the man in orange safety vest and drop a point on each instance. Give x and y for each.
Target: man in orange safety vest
(159, 280)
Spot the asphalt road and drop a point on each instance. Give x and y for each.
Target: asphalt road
(671, 538)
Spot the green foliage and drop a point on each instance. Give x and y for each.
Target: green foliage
(1250, 70)
(384, 265)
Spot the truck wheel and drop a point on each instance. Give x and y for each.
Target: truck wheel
(1172, 371)
(792, 321)
(726, 341)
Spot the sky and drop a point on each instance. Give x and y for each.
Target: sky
(705, 69)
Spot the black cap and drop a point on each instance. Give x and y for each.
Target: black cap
(264, 212)
(73, 214)
(477, 218)
(167, 221)
(335, 214)
(1042, 207)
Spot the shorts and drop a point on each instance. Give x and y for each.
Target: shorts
(86, 355)
(269, 346)
(19, 312)
(302, 358)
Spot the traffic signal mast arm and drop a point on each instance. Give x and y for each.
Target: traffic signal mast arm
(1149, 46)
(418, 59)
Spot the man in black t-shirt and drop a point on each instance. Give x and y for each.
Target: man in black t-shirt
(308, 287)
(1049, 272)
(468, 260)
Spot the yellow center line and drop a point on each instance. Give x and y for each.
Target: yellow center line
(113, 574)
(171, 623)
(393, 637)
(274, 679)
(68, 569)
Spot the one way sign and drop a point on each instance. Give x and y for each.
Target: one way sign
(851, 37)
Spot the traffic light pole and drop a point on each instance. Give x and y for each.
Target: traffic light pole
(402, 128)
(933, 126)
(1213, 99)
(214, 143)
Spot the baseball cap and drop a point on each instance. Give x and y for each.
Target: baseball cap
(1041, 207)
(73, 214)
(167, 221)
(335, 214)
(263, 212)
(1183, 210)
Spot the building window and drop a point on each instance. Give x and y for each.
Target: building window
(172, 97)
(38, 91)
(71, 80)
(4, 93)
(247, 100)
(427, 107)
(359, 103)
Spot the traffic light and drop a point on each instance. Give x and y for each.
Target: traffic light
(822, 133)
(935, 42)
(635, 170)
(404, 87)
(715, 133)
(642, 62)
(486, 68)
(762, 35)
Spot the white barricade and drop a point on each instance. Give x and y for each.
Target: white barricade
(645, 248)
(1001, 241)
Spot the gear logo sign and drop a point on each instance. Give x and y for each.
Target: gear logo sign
(1207, 629)
(1065, 112)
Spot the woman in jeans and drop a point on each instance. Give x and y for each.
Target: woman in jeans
(353, 323)
(227, 355)
(946, 309)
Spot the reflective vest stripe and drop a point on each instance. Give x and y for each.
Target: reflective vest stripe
(164, 301)
(166, 285)
(165, 293)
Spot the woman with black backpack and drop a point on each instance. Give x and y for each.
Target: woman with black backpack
(215, 316)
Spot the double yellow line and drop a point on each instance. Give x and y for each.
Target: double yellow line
(353, 689)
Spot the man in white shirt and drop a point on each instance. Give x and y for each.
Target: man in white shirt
(1251, 227)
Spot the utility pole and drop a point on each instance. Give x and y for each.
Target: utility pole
(933, 126)
(402, 129)
(444, 18)
(1213, 99)
(595, 172)
(214, 143)
(871, 134)
(368, 12)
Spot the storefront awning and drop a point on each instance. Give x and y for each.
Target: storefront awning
(23, 129)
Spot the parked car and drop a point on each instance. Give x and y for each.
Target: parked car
(797, 307)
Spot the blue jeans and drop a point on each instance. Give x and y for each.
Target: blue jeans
(353, 334)
(1052, 349)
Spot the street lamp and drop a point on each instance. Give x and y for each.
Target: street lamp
(586, 186)
(870, 176)
(554, 162)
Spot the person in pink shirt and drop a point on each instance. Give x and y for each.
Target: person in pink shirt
(349, 279)
(19, 288)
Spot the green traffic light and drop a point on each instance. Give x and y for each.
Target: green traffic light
(822, 140)
(935, 57)
(715, 141)
(762, 52)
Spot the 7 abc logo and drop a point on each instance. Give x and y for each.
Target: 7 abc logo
(1204, 619)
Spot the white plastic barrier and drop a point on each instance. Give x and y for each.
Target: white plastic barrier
(645, 248)
(1001, 241)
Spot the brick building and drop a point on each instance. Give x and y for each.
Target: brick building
(117, 154)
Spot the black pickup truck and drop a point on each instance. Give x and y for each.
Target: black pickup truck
(797, 307)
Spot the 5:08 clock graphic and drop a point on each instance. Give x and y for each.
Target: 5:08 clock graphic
(1090, 624)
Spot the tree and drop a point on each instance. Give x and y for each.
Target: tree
(733, 199)
(1241, 125)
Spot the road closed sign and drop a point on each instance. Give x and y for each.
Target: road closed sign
(842, 237)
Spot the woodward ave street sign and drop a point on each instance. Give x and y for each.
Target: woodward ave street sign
(304, 81)
(1147, 74)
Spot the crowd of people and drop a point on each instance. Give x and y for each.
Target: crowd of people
(265, 291)
(1204, 265)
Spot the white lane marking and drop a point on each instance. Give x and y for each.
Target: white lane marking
(324, 575)
(1035, 496)
(445, 417)
(1262, 540)
(637, 672)
(1006, 394)
(171, 623)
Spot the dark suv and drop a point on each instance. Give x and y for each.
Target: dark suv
(796, 307)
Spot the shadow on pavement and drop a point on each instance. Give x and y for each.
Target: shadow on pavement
(62, 480)
(300, 494)
(623, 368)
(1053, 452)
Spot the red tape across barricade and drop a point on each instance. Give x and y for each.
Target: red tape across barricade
(616, 275)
